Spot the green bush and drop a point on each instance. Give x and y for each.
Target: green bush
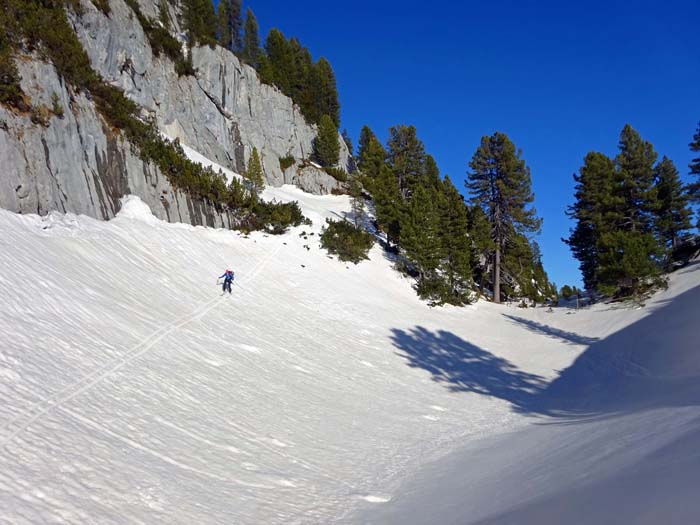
(287, 162)
(56, 107)
(347, 241)
(337, 173)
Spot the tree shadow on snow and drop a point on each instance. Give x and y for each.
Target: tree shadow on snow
(549, 331)
(653, 363)
(463, 367)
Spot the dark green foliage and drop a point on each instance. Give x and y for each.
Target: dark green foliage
(628, 264)
(566, 291)
(500, 184)
(635, 181)
(230, 25)
(102, 5)
(251, 40)
(628, 213)
(694, 188)
(162, 42)
(287, 162)
(199, 21)
(347, 241)
(357, 200)
(596, 206)
(371, 154)
(456, 245)
(290, 66)
(275, 217)
(326, 145)
(10, 90)
(254, 176)
(405, 157)
(337, 173)
(389, 206)
(672, 211)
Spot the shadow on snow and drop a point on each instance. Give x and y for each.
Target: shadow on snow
(653, 363)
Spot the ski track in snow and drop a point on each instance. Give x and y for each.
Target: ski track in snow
(309, 396)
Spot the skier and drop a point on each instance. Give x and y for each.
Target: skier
(228, 278)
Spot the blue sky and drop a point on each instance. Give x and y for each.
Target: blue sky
(560, 78)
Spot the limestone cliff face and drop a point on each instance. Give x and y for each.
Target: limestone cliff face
(76, 163)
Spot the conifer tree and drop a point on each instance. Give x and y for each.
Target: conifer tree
(200, 22)
(279, 54)
(251, 40)
(500, 183)
(230, 24)
(694, 188)
(596, 205)
(371, 154)
(456, 244)
(326, 144)
(635, 169)
(254, 174)
(421, 240)
(323, 92)
(388, 204)
(481, 246)
(357, 202)
(406, 157)
(672, 213)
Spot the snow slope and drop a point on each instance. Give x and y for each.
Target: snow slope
(133, 392)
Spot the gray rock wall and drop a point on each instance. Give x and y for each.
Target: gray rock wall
(77, 164)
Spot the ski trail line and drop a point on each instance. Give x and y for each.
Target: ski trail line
(87, 382)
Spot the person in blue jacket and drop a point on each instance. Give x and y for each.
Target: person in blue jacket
(228, 279)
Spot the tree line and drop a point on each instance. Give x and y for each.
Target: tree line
(452, 246)
(631, 214)
(280, 61)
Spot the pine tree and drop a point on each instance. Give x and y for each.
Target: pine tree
(323, 93)
(635, 168)
(388, 204)
(251, 40)
(694, 188)
(254, 176)
(500, 183)
(481, 246)
(230, 24)
(596, 209)
(371, 154)
(672, 213)
(456, 244)
(406, 157)
(326, 144)
(279, 54)
(421, 240)
(200, 22)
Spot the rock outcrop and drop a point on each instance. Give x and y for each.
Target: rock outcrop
(76, 163)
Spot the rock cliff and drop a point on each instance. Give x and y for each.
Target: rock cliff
(76, 163)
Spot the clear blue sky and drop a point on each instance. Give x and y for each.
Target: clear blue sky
(560, 78)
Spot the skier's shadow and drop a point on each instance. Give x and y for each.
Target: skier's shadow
(463, 367)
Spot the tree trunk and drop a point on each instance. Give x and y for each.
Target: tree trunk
(497, 276)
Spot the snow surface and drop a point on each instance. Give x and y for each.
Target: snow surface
(319, 392)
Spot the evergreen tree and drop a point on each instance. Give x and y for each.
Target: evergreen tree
(230, 25)
(323, 93)
(279, 54)
(500, 183)
(694, 188)
(481, 247)
(254, 176)
(406, 157)
(251, 40)
(672, 213)
(456, 244)
(388, 204)
(371, 154)
(200, 22)
(635, 169)
(421, 241)
(596, 209)
(326, 145)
